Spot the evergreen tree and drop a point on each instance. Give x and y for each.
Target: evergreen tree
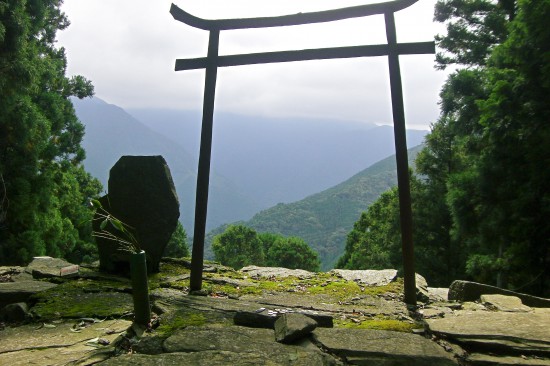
(374, 242)
(177, 245)
(45, 187)
(293, 253)
(238, 246)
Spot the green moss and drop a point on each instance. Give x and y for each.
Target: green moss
(180, 322)
(379, 324)
(82, 299)
(339, 289)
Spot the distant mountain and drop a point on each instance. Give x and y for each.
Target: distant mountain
(256, 162)
(324, 219)
(281, 160)
(111, 133)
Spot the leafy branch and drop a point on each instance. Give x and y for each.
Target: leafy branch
(125, 238)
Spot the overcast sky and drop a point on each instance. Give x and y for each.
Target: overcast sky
(127, 48)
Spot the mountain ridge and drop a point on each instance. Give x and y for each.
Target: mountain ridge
(324, 219)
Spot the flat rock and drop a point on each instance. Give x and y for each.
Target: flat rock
(324, 303)
(231, 281)
(292, 327)
(504, 303)
(434, 312)
(242, 312)
(242, 341)
(514, 332)
(12, 292)
(56, 344)
(472, 291)
(478, 359)
(378, 347)
(224, 358)
(267, 272)
(368, 277)
(438, 293)
(47, 267)
(266, 318)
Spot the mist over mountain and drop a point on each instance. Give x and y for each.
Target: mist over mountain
(256, 162)
(281, 160)
(324, 219)
(112, 133)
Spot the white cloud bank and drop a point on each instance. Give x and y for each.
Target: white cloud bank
(128, 49)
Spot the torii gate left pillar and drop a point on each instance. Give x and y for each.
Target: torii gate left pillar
(211, 63)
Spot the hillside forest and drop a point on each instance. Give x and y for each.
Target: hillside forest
(481, 202)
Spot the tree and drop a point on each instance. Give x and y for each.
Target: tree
(40, 153)
(374, 242)
(474, 28)
(514, 168)
(496, 112)
(268, 239)
(177, 245)
(238, 246)
(293, 253)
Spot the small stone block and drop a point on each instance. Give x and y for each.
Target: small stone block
(292, 327)
(504, 303)
(69, 270)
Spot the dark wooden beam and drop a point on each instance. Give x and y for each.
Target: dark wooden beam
(294, 19)
(400, 136)
(416, 48)
(203, 176)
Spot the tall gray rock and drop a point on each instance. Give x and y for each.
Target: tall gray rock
(141, 194)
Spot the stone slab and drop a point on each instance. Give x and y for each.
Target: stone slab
(267, 272)
(472, 291)
(55, 344)
(292, 327)
(368, 277)
(12, 292)
(223, 358)
(438, 293)
(504, 303)
(478, 359)
(517, 332)
(378, 347)
(243, 341)
(47, 267)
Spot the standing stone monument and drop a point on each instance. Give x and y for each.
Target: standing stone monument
(142, 195)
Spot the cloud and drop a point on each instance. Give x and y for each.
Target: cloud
(128, 49)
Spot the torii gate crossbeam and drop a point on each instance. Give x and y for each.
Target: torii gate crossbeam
(211, 63)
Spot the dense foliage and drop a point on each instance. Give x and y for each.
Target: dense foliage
(44, 188)
(177, 245)
(239, 246)
(482, 201)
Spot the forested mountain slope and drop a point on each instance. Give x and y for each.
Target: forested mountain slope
(111, 133)
(281, 160)
(324, 219)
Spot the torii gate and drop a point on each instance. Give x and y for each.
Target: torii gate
(211, 63)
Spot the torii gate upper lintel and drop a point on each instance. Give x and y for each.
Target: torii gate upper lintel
(211, 63)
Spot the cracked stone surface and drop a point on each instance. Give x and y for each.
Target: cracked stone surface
(266, 272)
(56, 343)
(368, 277)
(378, 347)
(222, 358)
(518, 332)
(203, 330)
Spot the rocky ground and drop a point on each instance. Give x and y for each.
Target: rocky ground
(262, 316)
